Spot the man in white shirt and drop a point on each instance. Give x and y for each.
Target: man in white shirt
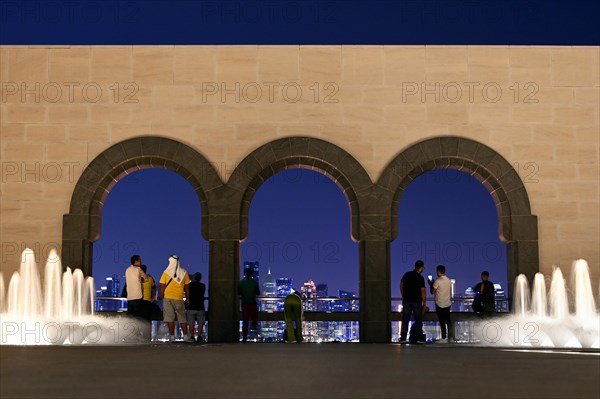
(134, 278)
(442, 289)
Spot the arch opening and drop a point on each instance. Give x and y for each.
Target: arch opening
(304, 245)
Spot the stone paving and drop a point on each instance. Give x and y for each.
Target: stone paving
(274, 371)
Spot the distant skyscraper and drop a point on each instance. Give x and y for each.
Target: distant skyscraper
(113, 286)
(269, 287)
(309, 289)
(109, 287)
(253, 266)
(269, 290)
(284, 286)
(322, 292)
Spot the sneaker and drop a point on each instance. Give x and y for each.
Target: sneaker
(402, 342)
(442, 341)
(188, 339)
(201, 340)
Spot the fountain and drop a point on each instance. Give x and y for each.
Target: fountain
(61, 313)
(542, 319)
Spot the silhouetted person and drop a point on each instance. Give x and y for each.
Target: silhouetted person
(149, 293)
(414, 301)
(134, 279)
(173, 282)
(442, 290)
(248, 290)
(195, 309)
(485, 292)
(292, 312)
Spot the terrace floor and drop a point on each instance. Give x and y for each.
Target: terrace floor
(280, 371)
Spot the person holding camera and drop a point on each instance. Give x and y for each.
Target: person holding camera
(441, 288)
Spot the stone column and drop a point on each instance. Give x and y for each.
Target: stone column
(523, 250)
(76, 251)
(375, 297)
(224, 267)
(522, 258)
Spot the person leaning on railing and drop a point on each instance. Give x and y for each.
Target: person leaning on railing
(292, 312)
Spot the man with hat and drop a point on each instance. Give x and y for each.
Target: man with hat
(173, 282)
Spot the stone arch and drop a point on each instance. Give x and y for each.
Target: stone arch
(517, 225)
(82, 225)
(300, 152)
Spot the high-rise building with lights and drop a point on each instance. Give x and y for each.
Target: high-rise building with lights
(322, 292)
(284, 288)
(269, 290)
(113, 286)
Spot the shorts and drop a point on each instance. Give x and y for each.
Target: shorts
(172, 308)
(195, 315)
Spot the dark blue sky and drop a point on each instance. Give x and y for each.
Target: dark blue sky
(493, 22)
(139, 215)
(299, 227)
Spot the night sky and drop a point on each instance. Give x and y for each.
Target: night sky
(299, 227)
(443, 219)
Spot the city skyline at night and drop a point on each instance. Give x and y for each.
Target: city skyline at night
(299, 228)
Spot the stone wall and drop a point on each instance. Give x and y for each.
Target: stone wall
(536, 106)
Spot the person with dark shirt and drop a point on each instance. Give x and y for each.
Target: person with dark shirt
(195, 310)
(414, 301)
(485, 292)
(248, 290)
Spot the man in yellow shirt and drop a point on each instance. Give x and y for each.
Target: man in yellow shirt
(173, 282)
(149, 286)
(149, 294)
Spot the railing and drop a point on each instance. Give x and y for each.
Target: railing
(274, 305)
(327, 319)
(268, 305)
(459, 304)
(110, 304)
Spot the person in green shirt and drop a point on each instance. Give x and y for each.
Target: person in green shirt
(292, 311)
(248, 290)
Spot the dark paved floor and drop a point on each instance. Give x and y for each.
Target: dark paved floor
(309, 371)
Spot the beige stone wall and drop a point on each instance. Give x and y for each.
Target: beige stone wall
(61, 107)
